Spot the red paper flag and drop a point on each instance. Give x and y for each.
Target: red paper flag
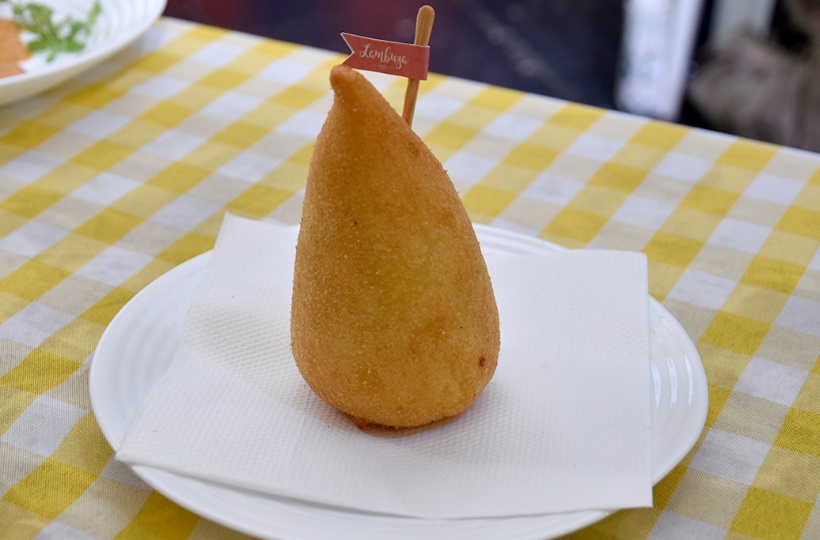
(391, 57)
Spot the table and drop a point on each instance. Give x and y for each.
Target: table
(118, 176)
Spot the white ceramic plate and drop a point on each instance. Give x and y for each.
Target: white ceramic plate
(140, 342)
(120, 22)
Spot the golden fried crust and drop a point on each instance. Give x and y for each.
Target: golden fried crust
(393, 320)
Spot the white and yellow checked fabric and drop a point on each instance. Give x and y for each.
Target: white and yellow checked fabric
(118, 176)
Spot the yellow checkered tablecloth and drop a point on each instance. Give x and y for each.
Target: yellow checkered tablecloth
(118, 176)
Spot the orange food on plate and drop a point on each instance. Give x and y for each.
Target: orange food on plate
(394, 320)
(12, 50)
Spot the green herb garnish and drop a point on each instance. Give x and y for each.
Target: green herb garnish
(52, 36)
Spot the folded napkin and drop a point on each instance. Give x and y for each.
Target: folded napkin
(563, 425)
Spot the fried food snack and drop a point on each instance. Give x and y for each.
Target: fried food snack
(393, 320)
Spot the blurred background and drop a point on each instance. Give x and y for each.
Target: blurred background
(747, 67)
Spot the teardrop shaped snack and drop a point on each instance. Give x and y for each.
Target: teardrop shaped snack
(393, 320)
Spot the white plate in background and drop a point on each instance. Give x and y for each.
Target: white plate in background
(120, 22)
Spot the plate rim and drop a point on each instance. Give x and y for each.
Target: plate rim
(584, 517)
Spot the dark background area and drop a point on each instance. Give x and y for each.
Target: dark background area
(567, 49)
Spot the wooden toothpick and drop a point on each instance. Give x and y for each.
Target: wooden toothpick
(424, 26)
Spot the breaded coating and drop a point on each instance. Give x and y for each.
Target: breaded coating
(393, 320)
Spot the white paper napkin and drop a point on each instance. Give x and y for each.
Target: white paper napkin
(563, 425)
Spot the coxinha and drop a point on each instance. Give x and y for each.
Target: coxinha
(393, 320)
